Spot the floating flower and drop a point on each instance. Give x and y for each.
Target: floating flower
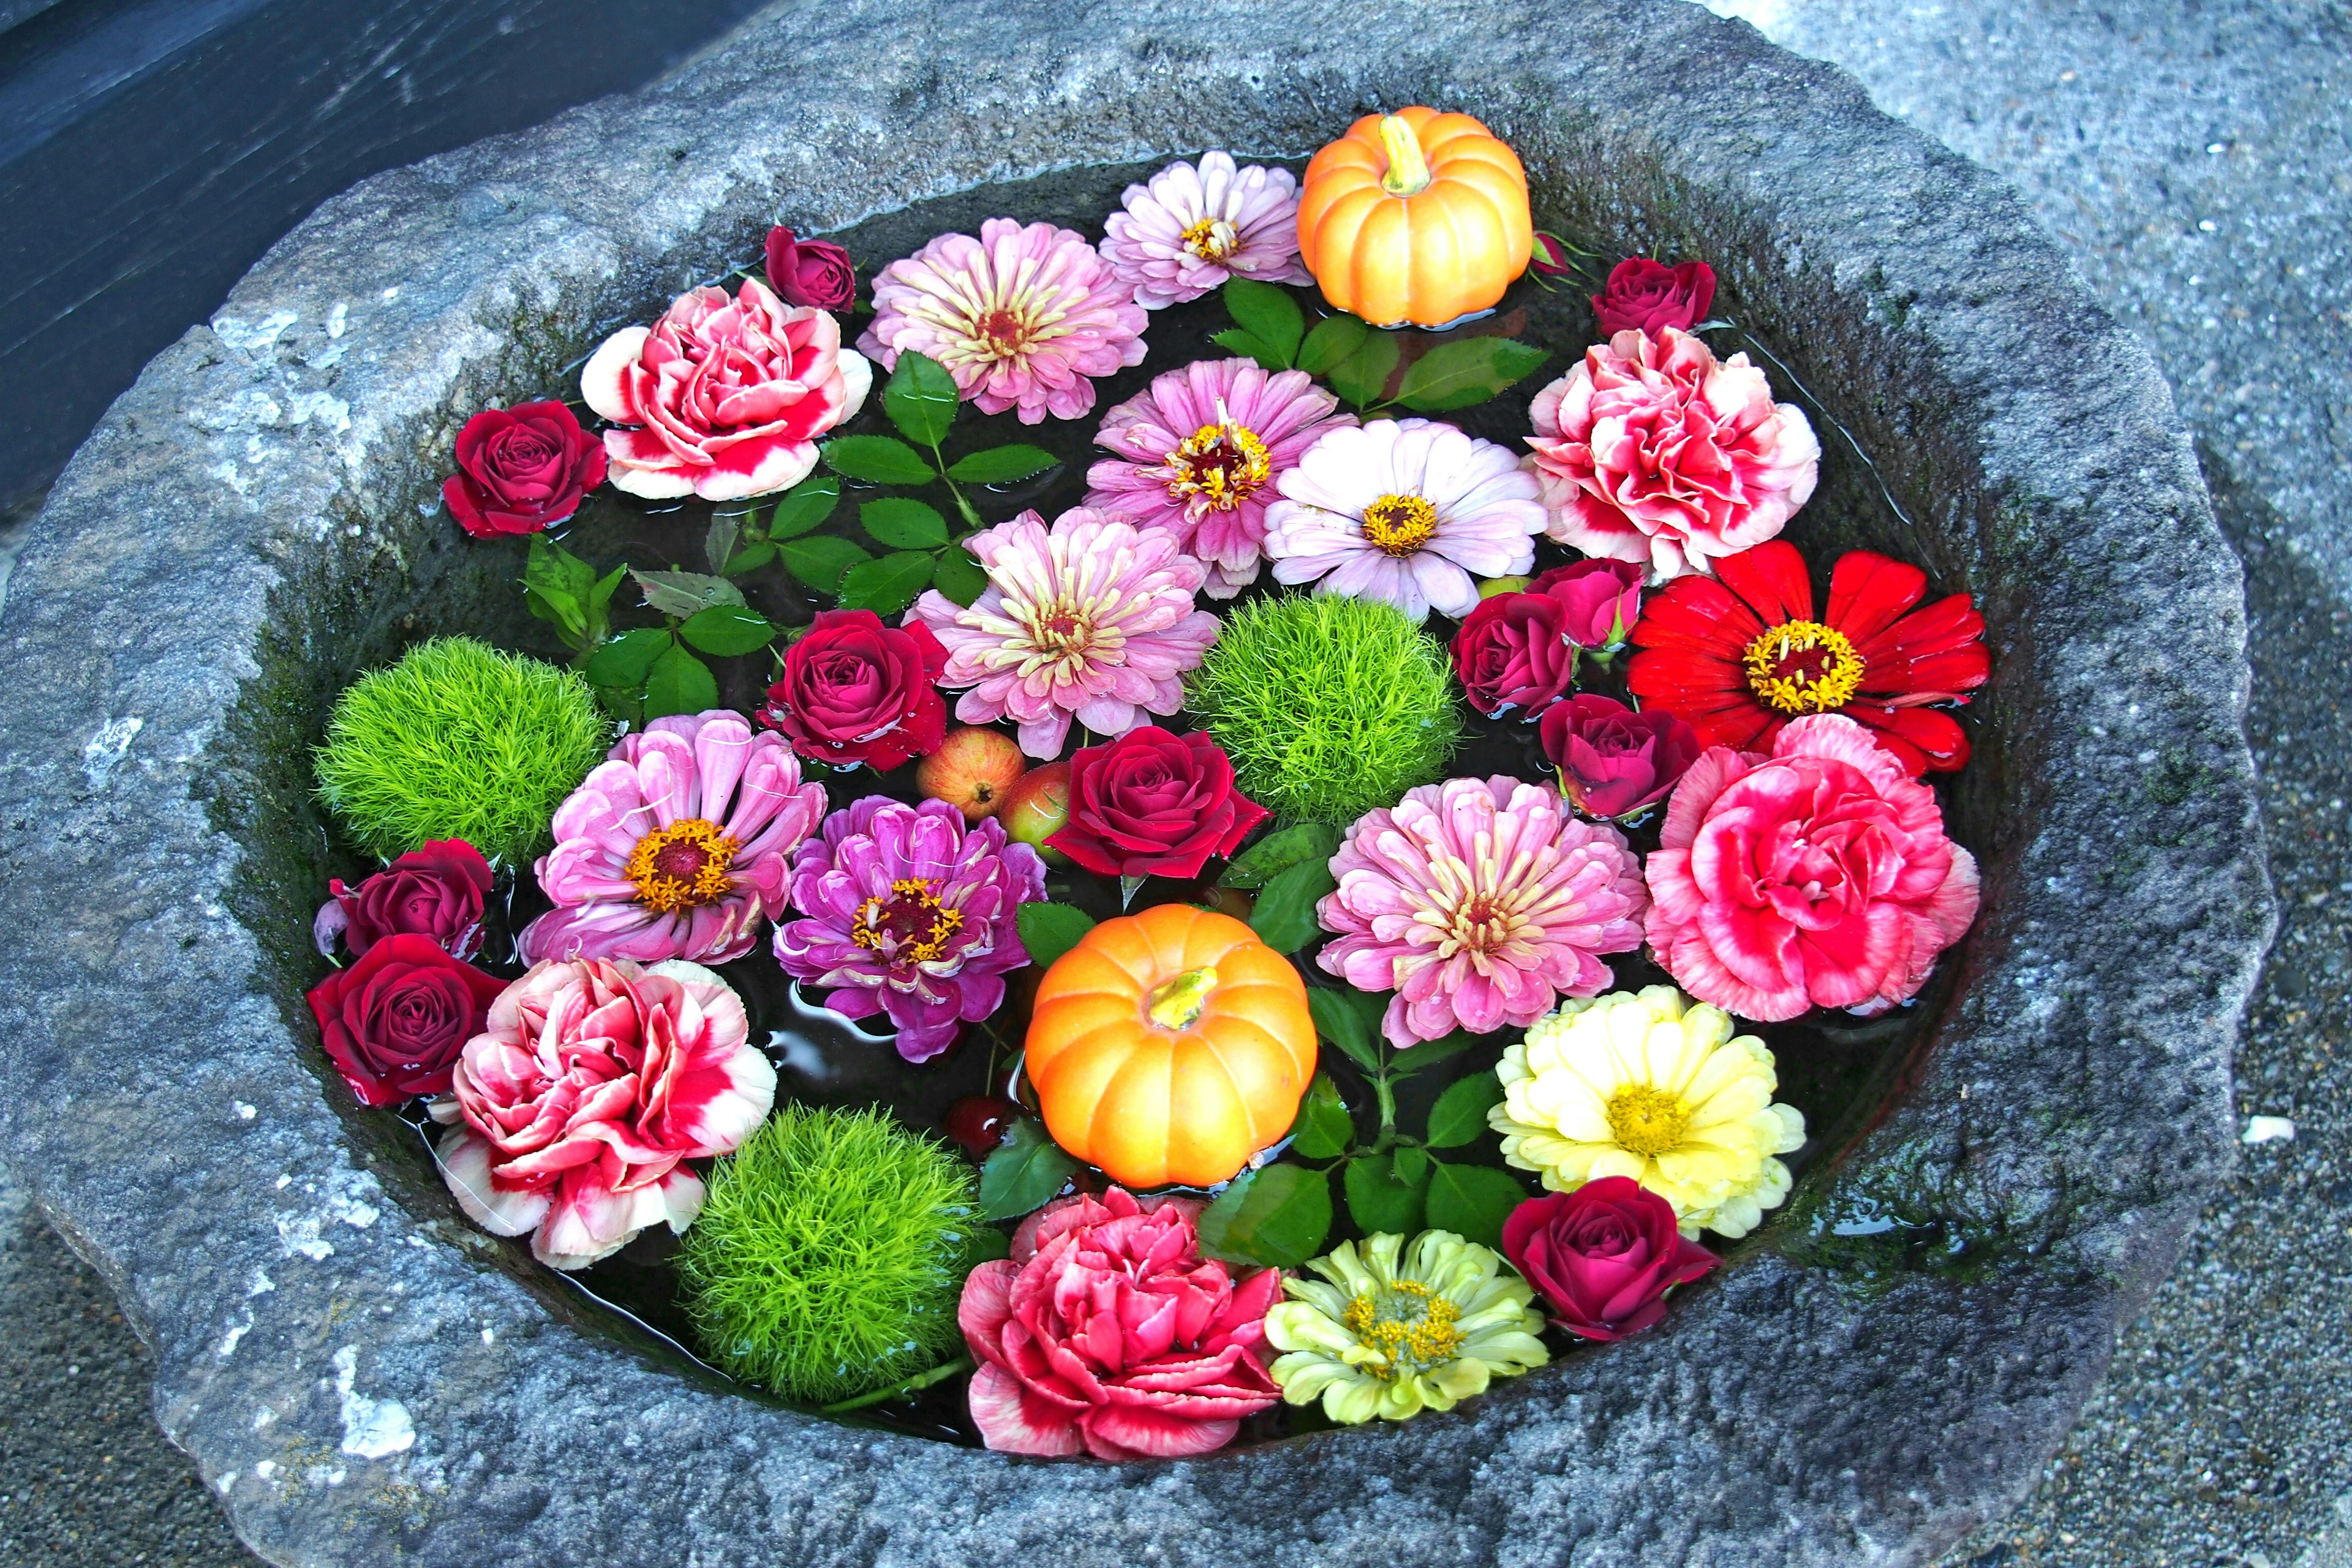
(1191, 228)
(676, 847)
(907, 911)
(1646, 296)
(1021, 317)
(1151, 803)
(814, 272)
(1643, 1084)
(590, 1086)
(1479, 902)
(1817, 876)
(1393, 1335)
(1652, 451)
(1602, 599)
(731, 395)
(521, 469)
(1089, 619)
(854, 690)
(435, 891)
(1406, 510)
(1602, 1256)
(1200, 452)
(1741, 657)
(1612, 761)
(394, 1021)
(1107, 1333)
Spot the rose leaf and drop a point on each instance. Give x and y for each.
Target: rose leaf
(904, 524)
(751, 558)
(820, 561)
(1024, 1173)
(718, 545)
(920, 397)
(1472, 1201)
(1257, 865)
(1277, 1215)
(1457, 374)
(1412, 1163)
(1323, 1127)
(1429, 1053)
(727, 630)
(877, 459)
(680, 683)
(805, 505)
(1284, 917)
(1380, 1199)
(957, 575)
(1270, 315)
(1333, 340)
(623, 663)
(1460, 1113)
(1002, 464)
(888, 585)
(1049, 930)
(1338, 1020)
(684, 593)
(1364, 375)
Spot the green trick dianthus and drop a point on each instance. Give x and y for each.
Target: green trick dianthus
(830, 1253)
(1327, 705)
(458, 741)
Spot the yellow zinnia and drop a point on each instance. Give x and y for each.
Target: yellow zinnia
(1649, 1085)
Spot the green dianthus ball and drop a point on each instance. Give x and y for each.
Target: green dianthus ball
(1327, 705)
(458, 741)
(830, 1254)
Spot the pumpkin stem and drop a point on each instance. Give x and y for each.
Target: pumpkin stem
(1176, 1003)
(1408, 173)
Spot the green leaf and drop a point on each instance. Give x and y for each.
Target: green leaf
(820, 561)
(623, 662)
(684, 593)
(1472, 1201)
(1024, 1173)
(888, 585)
(1323, 1127)
(1382, 1201)
(1332, 340)
(1002, 464)
(600, 599)
(751, 558)
(680, 683)
(1429, 1053)
(718, 545)
(1284, 917)
(1410, 1163)
(1269, 314)
(986, 1243)
(1049, 930)
(957, 575)
(727, 630)
(1362, 375)
(877, 459)
(1276, 1215)
(1457, 374)
(1460, 1113)
(556, 586)
(904, 524)
(1247, 345)
(805, 505)
(921, 398)
(1255, 866)
(1338, 1020)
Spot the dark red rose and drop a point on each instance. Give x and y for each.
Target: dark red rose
(1646, 296)
(1154, 804)
(435, 891)
(810, 271)
(1603, 1256)
(521, 468)
(1602, 600)
(1613, 762)
(393, 1022)
(854, 691)
(1513, 652)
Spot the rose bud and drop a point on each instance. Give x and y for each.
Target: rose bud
(1603, 1256)
(810, 271)
(1549, 258)
(1645, 295)
(394, 1022)
(854, 691)
(1513, 651)
(520, 469)
(1154, 804)
(1612, 761)
(435, 891)
(1603, 599)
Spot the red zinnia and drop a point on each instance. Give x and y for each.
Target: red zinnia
(1739, 655)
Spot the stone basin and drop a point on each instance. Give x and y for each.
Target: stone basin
(364, 1379)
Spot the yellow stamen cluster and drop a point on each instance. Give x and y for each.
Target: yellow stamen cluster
(1212, 238)
(1222, 463)
(1399, 525)
(682, 866)
(1649, 1122)
(1411, 1328)
(912, 908)
(1804, 667)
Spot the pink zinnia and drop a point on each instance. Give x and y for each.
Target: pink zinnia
(1816, 877)
(1191, 228)
(676, 847)
(1092, 619)
(1481, 904)
(1200, 452)
(1652, 451)
(1020, 316)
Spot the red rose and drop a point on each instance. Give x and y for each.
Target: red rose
(1645, 295)
(1602, 600)
(1613, 762)
(394, 1022)
(1603, 1256)
(1513, 651)
(435, 891)
(1550, 256)
(521, 468)
(810, 271)
(1154, 804)
(854, 690)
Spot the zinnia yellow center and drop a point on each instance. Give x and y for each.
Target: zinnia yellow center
(682, 866)
(1413, 1329)
(1222, 464)
(1399, 525)
(910, 919)
(1803, 666)
(1647, 1122)
(1212, 238)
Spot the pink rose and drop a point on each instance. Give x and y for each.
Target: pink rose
(811, 272)
(1107, 1333)
(435, 892)
(731, 395)
(1602, 600)
(1652, 451)
(1614, 761)
(591, 1084)
(1603, 1255)
(521, 469)
(1646, 296)
(1513, 652)
(1816, 877)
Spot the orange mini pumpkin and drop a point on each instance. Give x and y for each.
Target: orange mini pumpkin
(1170, 1046)
(1415, 216)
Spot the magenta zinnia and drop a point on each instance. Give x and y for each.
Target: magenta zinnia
(1020, 316)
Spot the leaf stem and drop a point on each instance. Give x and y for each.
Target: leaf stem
(939, 461)
(921, 1379)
